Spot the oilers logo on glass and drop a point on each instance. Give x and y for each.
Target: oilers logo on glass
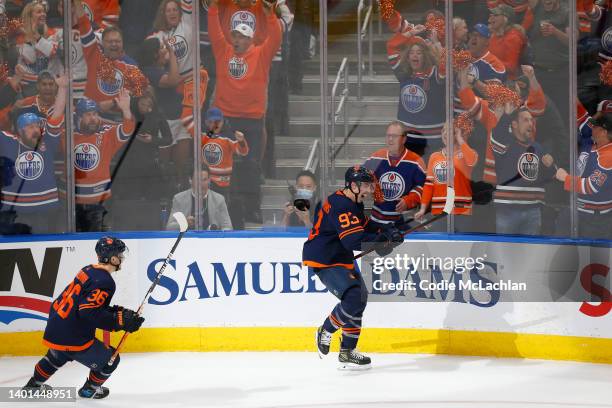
(392, 185)
(212, 153)
(528, 165)
(414, 98)
(111, 88)
(237, 67)
(243, 17)
(179, 46)
(29, 165)
(440, 172)
(86, 157)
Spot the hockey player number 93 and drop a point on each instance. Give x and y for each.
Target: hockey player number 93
(348, 219)
(65, 305)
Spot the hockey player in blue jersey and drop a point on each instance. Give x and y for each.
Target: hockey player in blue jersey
(339, 228)
(74, 316)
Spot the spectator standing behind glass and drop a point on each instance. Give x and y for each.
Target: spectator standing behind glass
(400, 173)
(243, 70)
(593, 183)
(508, 40)
(95, 145)
(42, 103)
(549, 42)
(486, 67)
(37, 47)
(305, 190)
(31, 196)
(97, 89)
(218, 149)
(141, 182)
(434, 191)
(422, 90)
(213, 210)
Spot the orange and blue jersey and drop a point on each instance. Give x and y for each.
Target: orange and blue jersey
(399, 179)
(218, 152)
(92, 159)
(82, 307)
(339, 228)
(32, 186)
(593, 184)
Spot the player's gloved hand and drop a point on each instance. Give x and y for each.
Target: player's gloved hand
(393, 235)
(129, 320)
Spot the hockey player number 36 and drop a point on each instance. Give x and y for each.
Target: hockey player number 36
(64, 306)
(347, 219)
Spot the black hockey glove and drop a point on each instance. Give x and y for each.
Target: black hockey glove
(128, 320)
(388, 239)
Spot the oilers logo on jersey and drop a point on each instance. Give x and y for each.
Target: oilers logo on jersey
(413, 98)
(41, 63)
(528, 166)
(86, 157)
(111, 88)
(392, 185)
(243, 17)
(238, 67)
(29, 165)
(179, 46)
(440, 172)
(606, 40)
(213, 154)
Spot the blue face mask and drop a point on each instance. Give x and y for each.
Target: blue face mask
(304, 193)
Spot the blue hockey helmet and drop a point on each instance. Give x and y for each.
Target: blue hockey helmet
(358, 174)
(107, 247)
(26, 119)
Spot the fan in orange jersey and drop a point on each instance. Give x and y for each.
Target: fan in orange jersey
(434, 192)
(95, 145)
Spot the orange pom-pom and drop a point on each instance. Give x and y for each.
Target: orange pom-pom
(10, 28)
(135, 81)
(499, 95)
(606, 74)
(436, 24)
(4, 73)
(465, 123)
(106, 70)
(461, 60)
(387, 9)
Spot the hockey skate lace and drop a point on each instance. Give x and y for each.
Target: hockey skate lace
(357, 355)
(326, 337)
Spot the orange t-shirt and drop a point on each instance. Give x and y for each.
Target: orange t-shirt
(242, 80)
(434, 191)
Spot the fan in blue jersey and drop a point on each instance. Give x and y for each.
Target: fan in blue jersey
(31, 196)
(74, 316)
(422, 91)
(401, 175)
(340, 227)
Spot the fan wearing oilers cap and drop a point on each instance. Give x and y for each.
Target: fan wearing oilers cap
(341, 227)
(83, 306)
(95, 144)
(29, 191)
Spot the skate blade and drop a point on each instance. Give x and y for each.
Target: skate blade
(353, 367)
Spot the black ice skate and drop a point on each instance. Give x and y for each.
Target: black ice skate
(323, 339)
(90, 390)
(351, 359)
(36, 386)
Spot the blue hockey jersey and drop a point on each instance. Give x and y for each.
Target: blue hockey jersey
(401, 180)
(339, 228)
(32, 185)
(421, 97)
(81, 308)
(519, 169)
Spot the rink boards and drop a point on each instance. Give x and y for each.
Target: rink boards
(244, 291)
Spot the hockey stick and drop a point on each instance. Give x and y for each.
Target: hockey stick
(182, 221)
(448, 208)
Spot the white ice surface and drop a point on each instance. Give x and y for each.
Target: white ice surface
(303, 380)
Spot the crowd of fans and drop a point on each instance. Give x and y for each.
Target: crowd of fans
(134, 75)
(133, 67)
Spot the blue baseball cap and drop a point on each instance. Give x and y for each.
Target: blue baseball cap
(214, 114)
(482, 29)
